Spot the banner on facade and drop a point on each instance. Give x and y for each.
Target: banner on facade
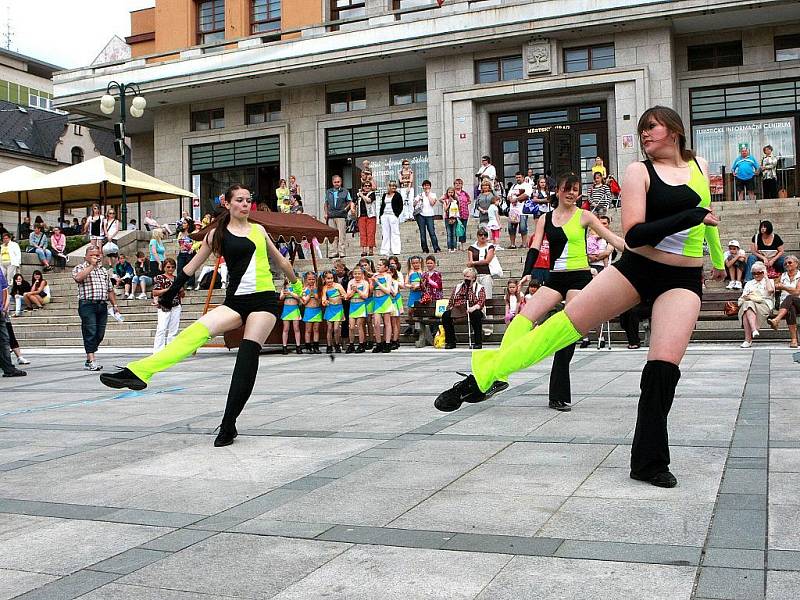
(386, 168)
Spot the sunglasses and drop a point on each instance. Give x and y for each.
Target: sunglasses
(758, 272)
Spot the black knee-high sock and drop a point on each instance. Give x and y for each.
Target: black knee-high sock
(242, 381)
(560, 388)
(650, 449)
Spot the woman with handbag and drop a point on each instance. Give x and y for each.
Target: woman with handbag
(756, 303)
(463, 211)
(367, 220)
(111, 229)
(450, 214)
(767, 247)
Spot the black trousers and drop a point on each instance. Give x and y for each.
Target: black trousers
(475, 322)
(5, 349)
(560, 384)
(630, 320)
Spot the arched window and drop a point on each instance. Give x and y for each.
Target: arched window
(77, 155)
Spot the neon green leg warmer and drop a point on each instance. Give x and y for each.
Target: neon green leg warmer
(517, 328)
(184, 344)
(555, 333)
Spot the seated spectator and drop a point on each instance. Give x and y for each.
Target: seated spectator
(58, 242)
(735, 265)
(767, 247)
(39, 295)
(38, 242)
(133, 226)
(24, 229)
(141, 277)
(122, 275)
(19, 288)
(150, 223)
(76, 227)
(755, 303)
(204, 279)
(789, 287)
(467, 301)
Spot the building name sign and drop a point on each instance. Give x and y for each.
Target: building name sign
(745, 127)
(549, 128)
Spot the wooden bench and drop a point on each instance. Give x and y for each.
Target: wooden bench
(495, 311)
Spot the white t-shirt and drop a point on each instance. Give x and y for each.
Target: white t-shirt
(518, 189)
(512, 304)
(488, 172)
(785, 280)
(493, 223)
(728, 254)
(427, 208)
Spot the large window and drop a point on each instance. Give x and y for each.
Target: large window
(745, 100)
(588, 58)
(345, 101)
(203, 120)
(223, 155)
(347, 9)
(263, 112)
(714, 56)
(265, 16)
(408, 92)
(508, 68)
(378, 137)
(210, 21)
(787, 47)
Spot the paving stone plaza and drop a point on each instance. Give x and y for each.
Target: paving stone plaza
(345, 483)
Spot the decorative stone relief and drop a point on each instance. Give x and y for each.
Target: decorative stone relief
(538, 57)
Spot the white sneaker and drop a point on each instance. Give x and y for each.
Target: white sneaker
(738, 285)
(21, 360)
(141, 297)
(731, 285)
(91, 365)
(746, 344)
(130, 297)
(756, 333)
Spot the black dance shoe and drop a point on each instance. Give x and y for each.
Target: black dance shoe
(225, 436)
(123, 378)
(350, 349)
(285, 350)
(328, 349)
(377, 348)
(338, 348)
(298, 349)
(315, 348)
(665, 479)
(466, 390)
(360, 349)
(395, 345)
(559, 405)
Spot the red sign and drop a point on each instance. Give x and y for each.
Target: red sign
(196, 202)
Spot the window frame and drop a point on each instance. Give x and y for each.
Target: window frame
(77, 151)
(336, 11)
(217, 27)
(418, 92)
(265, 109)
(214, 119)
(270, 17)
(590, 50)
(347, 98)
(792, 43)
(714, 56)
(501, 69)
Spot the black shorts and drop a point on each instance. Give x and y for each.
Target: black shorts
(564, 281)
(250, 303)
(748, 185)
(650, 279)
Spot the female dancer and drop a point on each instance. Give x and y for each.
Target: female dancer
(397, 300)
(250, 300)
(665, 217)
(414, 284)
(332, 296)
(312, 313)
(357, 294)
(382, 305)
(291, 318)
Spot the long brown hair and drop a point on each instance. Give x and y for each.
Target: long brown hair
(669, 119)
(222, 224)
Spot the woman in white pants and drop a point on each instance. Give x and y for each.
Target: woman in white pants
(168, 320)
(390, 211)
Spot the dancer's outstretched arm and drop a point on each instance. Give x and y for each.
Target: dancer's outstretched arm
(589, 219)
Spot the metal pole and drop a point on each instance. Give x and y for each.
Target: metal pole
(19, 213)
(122, 108)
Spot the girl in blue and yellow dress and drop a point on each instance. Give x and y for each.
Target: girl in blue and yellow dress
(291, 317)
(312, 313)
(373, 337)
(358, 291)
(414, 285)
(397, 300)
(383, 307)
(332, 295)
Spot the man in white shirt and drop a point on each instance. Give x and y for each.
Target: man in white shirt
(522, 190)
(486, 171)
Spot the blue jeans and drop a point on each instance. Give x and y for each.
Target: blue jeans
(426, 223)
(753, 258)
(44, 255)
(523, 225)
(94, 316)
(451, 234)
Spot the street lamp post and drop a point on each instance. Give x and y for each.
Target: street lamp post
(107, 105)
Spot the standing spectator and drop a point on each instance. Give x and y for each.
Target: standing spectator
(58, 242)
(157, 252)
(451, 213)
(513, 300)
(9, 370)
(514, 218)
(39, 295)
(493, 225)
(599, 167)
(531, 178)
(76, 227)
(424, 208)
(769, 176)
(735, 265)
(38, 242)
(367, 221)
(294, 187)
(390, 210)
(598, 250)
(122, 275)
(600, 195)
(486, 171)
(479, 255)
(337, 204)
(283, 194)
(406, 177)
(150, 223)
(95, 291)
(141, 277)
(111, 228)
(463, 209)
(13, 343)
(467, 300)
(19, 288)
(789, 287)
(756, 303)
(168, 318)
(483, 201)
(767, 247)
(94, 226)
(24, 229)
(522, 191)
(10, 257)
(185, 251)
(744, 171)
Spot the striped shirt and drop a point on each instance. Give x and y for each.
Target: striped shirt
(97, 284)
(600, 199)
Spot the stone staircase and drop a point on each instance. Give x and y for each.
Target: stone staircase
(58, 325)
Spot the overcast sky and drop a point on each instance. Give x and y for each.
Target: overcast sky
(66, 33)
